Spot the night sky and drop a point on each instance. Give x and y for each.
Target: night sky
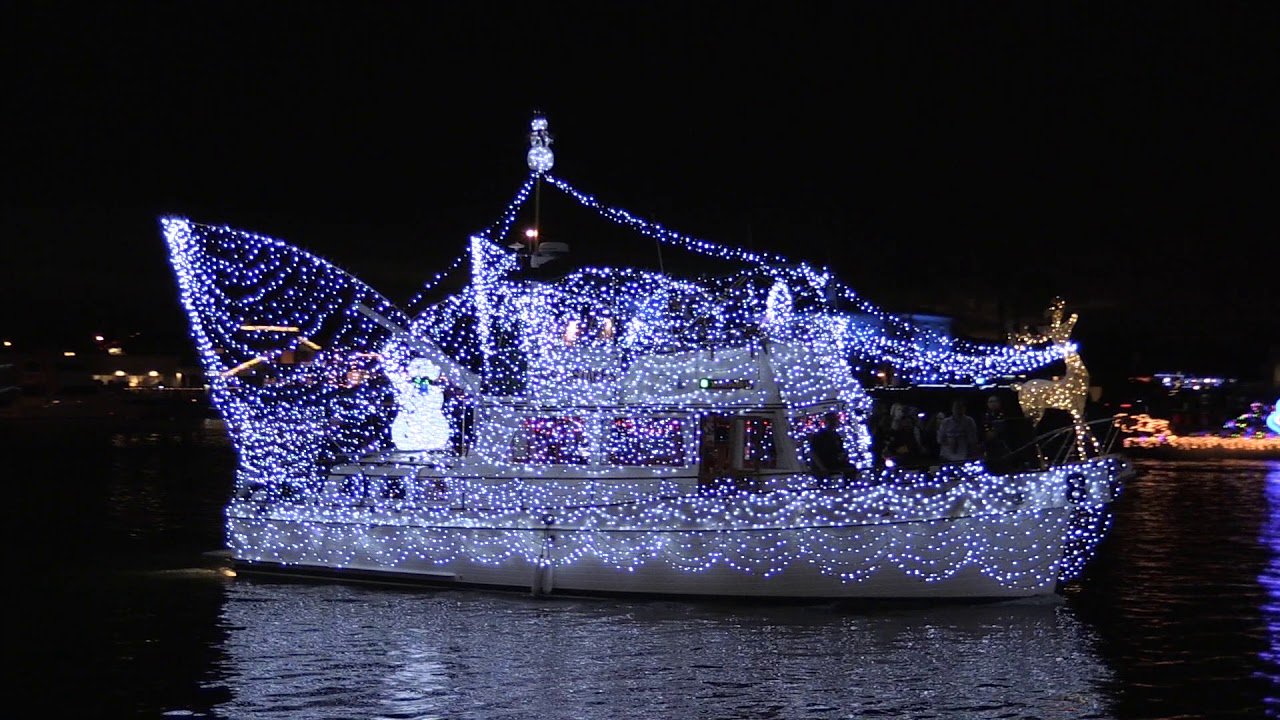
(1124, 156)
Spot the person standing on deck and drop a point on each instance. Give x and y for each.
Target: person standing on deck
(827, 454)
(995, 437)
(957, 435)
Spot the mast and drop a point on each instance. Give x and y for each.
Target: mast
(540, 159)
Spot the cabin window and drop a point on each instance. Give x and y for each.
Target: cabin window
(551, 441)
(758, 448)
(646, 441)
(572, 332)
(582, 329)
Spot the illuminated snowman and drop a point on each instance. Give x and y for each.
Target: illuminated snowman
(420, 423)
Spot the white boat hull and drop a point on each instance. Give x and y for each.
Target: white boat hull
(1018, 550)
(315, 551)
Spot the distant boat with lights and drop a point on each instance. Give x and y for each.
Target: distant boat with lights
(615, 430)
(1253, 435)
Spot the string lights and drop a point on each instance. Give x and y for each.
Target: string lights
(1150, 433)
(615, 422)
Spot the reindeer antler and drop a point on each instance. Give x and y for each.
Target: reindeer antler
(1057, 331)
(1060, 330)
(1024, 337)
(1054, 313)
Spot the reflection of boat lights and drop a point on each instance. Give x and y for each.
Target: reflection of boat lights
(1269, 579)
(281, 643)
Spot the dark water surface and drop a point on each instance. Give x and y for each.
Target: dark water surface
(115, 616)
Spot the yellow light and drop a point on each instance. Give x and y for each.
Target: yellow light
(1206, 442)
(8, 344)
(152, 373)
(68, 353)
(309, 344)
(99, 338)
(243, 366)
(115, 351)
(118, 373)
(269, 328)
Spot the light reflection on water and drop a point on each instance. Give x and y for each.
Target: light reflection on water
(1270, 579)
(322, 651)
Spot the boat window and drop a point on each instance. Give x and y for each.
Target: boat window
(551, 441)
(646, 441)
(757, 443)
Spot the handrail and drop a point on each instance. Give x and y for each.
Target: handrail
(1061, 457)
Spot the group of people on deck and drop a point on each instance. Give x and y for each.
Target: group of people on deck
(902, 439)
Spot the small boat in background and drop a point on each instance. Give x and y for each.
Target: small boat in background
(1254, 435)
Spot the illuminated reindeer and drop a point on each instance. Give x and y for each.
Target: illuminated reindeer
(1068, 393)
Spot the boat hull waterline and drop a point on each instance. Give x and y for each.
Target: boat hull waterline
(1040, 530)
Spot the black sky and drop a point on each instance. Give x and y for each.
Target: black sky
(1122, 155)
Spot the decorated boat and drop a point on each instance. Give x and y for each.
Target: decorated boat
(613, 430)
(1252, 435)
